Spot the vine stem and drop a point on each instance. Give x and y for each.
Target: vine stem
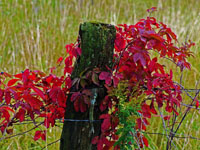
(120, 56)
(51, 143)
(22, 132)
(181, 137)
(172, 134)
(163, 122)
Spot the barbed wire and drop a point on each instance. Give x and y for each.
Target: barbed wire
(77, 120)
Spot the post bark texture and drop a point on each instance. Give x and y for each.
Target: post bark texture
(97, 44)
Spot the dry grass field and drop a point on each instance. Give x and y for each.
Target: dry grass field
(33, 34)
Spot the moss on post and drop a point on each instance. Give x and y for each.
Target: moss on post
(97, 44)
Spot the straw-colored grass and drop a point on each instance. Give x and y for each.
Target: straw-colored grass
(33, 34)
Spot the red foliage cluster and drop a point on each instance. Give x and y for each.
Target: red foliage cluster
(133, 45)
(33, 94)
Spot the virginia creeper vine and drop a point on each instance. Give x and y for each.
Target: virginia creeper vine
(136, 85)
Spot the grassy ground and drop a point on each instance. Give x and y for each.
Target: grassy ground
(33, 34)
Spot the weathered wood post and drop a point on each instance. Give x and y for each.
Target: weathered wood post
(97, 44)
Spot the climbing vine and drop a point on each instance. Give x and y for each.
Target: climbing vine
(136, 85)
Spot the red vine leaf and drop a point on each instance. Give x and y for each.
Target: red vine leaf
(21, 114)
(197, 103)
(59, 60)
(106, 122)
(167, 117)
(77, 105)
(95, 140)
(139, 56)
(7, 97)
(152, 9)
(106, 76)
(1, 95)
(18, 75)
(39, 92)
(43, 136)
(95, 78)
(12, 82)
(37, 135)
(145, 141)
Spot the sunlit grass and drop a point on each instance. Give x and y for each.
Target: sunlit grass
(33, 34)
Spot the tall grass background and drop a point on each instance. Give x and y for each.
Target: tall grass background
(33, 34)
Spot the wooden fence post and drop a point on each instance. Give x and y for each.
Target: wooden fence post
(97, 44)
